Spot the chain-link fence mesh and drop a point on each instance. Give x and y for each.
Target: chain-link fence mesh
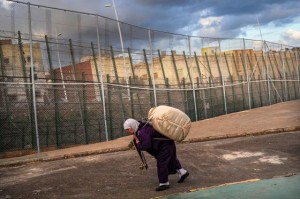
(68, 78)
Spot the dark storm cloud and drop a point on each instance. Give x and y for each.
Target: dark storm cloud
(183, 16)
(172, 16)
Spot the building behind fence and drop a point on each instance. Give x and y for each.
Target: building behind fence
(66, 80)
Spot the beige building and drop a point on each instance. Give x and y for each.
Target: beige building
(210, 66)
(176, 68)
(14, 67)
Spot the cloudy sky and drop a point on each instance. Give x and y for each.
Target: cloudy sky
(278, 20)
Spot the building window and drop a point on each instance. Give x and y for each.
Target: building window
(144, 77)
(6, 60)
(68, 78)
(12, 98)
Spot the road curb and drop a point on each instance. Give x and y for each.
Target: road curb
(42, 157)
(245, 134)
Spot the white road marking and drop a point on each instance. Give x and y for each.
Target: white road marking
(262, 157)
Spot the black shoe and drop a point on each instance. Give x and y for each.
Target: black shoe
(162, 187)
(183, 177)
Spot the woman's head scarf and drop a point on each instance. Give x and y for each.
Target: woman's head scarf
(131, 123)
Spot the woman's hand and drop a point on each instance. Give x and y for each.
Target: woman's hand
(136, 139)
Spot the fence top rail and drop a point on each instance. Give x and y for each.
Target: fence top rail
(178, 34)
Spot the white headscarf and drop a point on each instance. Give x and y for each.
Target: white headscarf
(131, 123)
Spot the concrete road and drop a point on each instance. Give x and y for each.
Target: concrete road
(117, 175)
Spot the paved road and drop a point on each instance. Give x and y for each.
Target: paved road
(116, 175)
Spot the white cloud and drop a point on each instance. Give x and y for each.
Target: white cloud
(210, 21)
(5, 4)
(291, 37)
(205, 12)
(293, 34)
(210, 26)
(209, 32)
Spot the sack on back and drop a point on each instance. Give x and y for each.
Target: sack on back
(171, 122)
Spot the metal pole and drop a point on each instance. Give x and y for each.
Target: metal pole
(101, 79)
(152, 64)
(59, 63)
(284, 76)
(33, 83)
(122, 46)
(223, 83)
(297, 61)
(248, 82)
(268, 76)
(192, 78)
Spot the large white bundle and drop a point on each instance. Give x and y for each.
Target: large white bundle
(169, 121)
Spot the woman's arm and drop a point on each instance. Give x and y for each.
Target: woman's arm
(144, 140)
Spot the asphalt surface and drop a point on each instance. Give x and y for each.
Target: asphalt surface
(117, 174)
(260, 143)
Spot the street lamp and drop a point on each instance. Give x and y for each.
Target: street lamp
(121, 39)
(61, 73)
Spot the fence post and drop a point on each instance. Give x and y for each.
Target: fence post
(131, 98)
(260, 73)
(223, 85)
(101, 79)
(109, 106)
(252, 76)
(162, 66)
(246, 72)
(118, 82)
(284, 77)
(165, 78)
(134, 81)
(168, 92)
(175, 68)
(184, 96)
(298, 74)
(281, 82)
(6, 101)
(152, 64)
(243, 92)
(239, 79)
(53, 79)
(212, 102)
(231, 80)
(191, 80)
(267, 77)
(33, 82)
(291, 74)
(222, 76)
(76, 80)
(201, 82)
(149, 79)
(274, 77)
(259, 87)
(85, 119)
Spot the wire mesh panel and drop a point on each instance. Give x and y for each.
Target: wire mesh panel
(16, 118)
(70, 78)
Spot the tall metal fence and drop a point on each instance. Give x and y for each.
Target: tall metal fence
(70, 78)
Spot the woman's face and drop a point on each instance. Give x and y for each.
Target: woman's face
(130, 131)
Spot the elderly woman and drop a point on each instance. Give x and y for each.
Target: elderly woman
(160, 147)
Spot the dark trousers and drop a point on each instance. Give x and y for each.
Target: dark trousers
(167, 162)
